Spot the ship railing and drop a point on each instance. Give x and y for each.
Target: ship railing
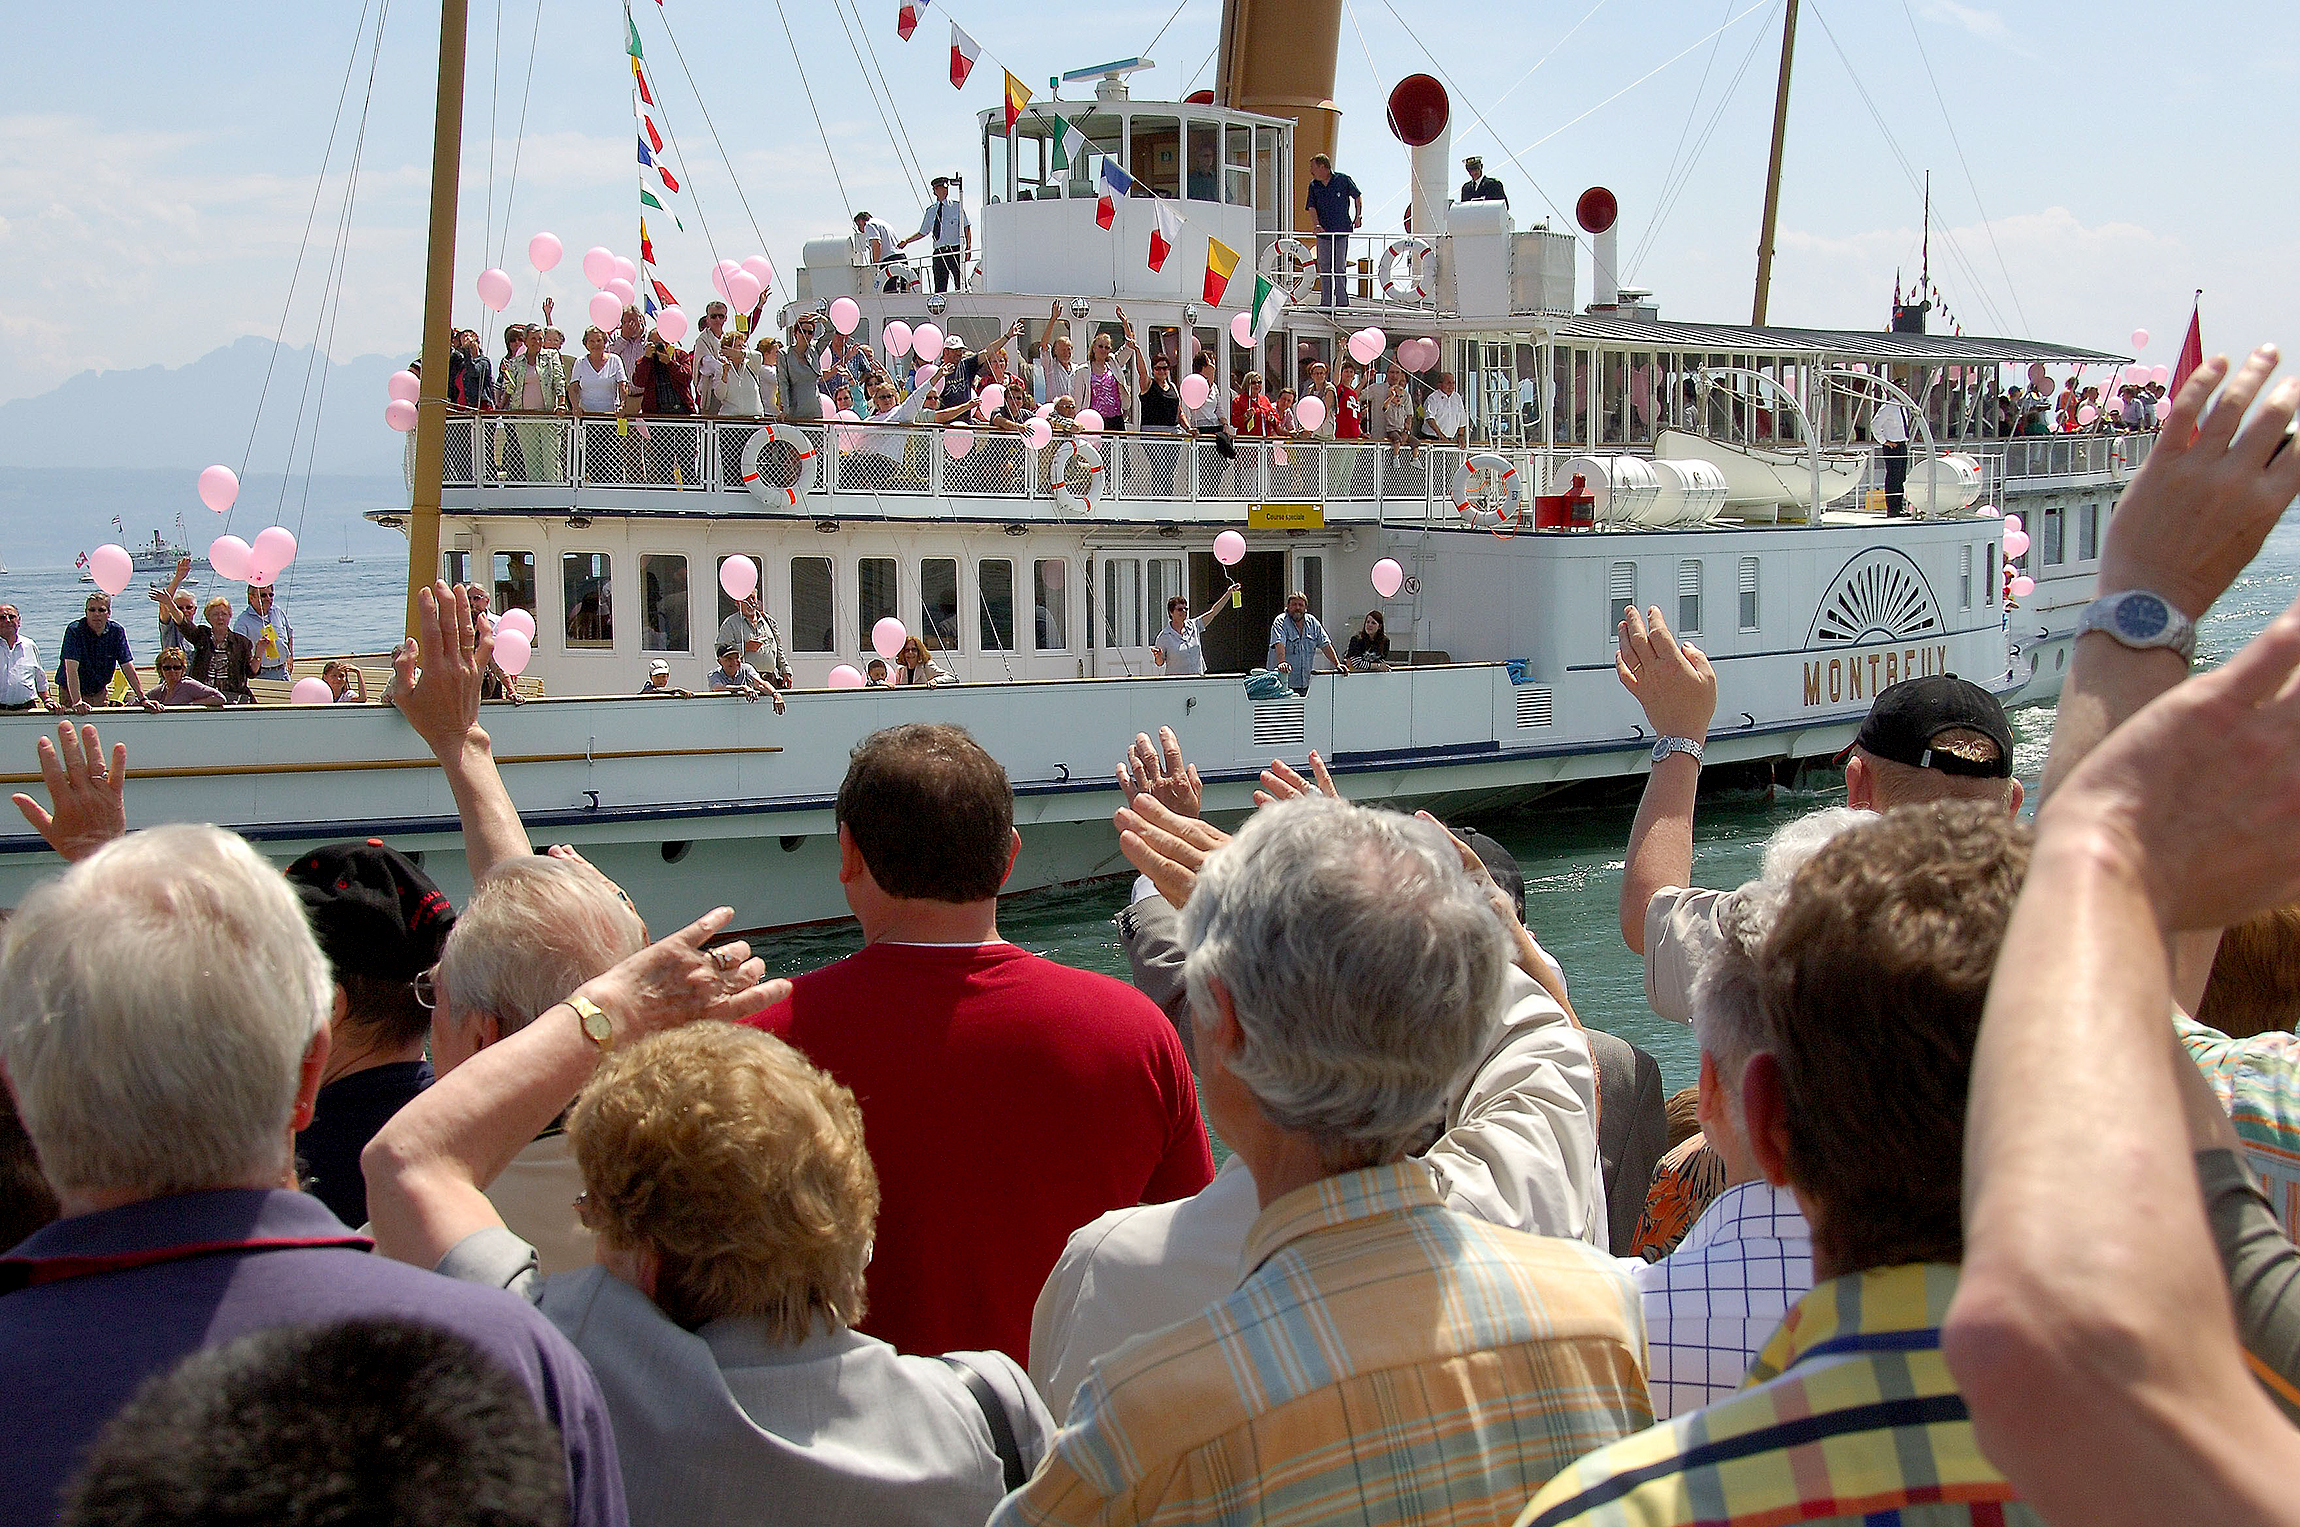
(1358, 270)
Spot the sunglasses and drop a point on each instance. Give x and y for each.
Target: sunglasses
(171, 668)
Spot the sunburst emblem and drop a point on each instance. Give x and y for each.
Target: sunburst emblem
(1880, 596)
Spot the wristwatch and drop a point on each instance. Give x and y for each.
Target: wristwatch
(2141, 619)
(1690, 747)
(596, 1026)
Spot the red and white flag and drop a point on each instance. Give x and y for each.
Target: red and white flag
(1163, 233)
(2191, 351)
(963, 52)
(906, 19)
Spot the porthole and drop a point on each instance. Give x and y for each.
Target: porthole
(676, 851)
(792, 845)
(2060, 660)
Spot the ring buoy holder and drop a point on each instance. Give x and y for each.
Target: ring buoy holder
(1288, 264)
(802, 444)
(1072, 500)
(1464, 479)
(1417, 254)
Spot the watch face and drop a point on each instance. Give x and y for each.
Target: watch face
(2142, 617)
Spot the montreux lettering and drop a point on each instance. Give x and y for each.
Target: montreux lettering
(1861, 675)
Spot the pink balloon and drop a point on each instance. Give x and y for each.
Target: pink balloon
(2014, 522)
(845, 315)
(274, 547)
(887, 637)
(599, 265)
(495, 289)
(219, 488)
(2016, 543)
(739, 576)
(1045, 409)
(2160, 374)
(403, 387)
(111, 567)
(514, 650)
(991, 399)
(2139, 339)
(261, 576)
(671, 323)
(625, 270)
(1089, 422)
(721, 273)
(897, 338)
(918, 378)
(2136, 375)
(1388, 578)
(763, 269)
(544, 251)
(2023, 586)
(519, 620)
(957, 441)
(926, 343)
(624, 291)
(399, 414)
(228, 555)
(1194, 391)
(1229, 548)
(606, 310)
(1310, 412)
(1430, 354)
(1279, 455)
(1367, 345)
(1242, 329)
(846, 676)
(744, 290)
(313, 691)
(2087, 415)
(1036, 434)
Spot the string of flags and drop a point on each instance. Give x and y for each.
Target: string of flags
(653, 294)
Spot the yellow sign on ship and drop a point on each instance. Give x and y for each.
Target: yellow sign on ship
(1286, 517)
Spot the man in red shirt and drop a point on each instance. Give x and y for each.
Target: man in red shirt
(1007, 1100)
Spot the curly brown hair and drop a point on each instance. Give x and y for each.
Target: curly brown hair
(740, 1165)
(1872, 981)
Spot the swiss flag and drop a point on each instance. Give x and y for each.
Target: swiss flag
(963, 52)
(1163, 233)
(906, 19)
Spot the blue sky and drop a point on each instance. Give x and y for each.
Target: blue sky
(158, 161)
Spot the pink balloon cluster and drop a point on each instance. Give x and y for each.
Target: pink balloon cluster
(1419, 354)
(402, 387)
(1037, 434)
(259, 563)
(516, 619)
(1367, 345)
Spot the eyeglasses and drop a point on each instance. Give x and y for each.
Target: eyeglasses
(427, 989)
(171, 668)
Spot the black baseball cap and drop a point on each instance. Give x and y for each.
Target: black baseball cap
(1905, 719)
(373, 911)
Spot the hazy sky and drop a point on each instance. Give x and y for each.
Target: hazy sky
(158, 161)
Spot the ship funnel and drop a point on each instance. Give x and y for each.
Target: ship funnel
(1599, 215)
(1422, 118)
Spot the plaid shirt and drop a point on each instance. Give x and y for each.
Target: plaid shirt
(2258, 1081)
(1711, 1304)
(1386, 1360)
(1849, 1416)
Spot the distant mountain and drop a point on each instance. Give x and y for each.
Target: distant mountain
(189, 416)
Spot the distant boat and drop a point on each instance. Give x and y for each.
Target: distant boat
(346, 557)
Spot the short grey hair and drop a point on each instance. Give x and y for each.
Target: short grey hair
(535, 929)
(156, 1004)
(1364, 966)
(1728, 1017)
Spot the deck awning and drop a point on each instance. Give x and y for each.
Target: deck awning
(1615, 332)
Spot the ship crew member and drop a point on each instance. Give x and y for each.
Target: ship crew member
(1480, 186)
(1296, 639)
(22, 682)
(1890, 429)
(946, 224)
(873, 245)
(1340, 207)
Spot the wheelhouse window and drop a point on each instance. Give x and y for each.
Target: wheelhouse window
(514, 581)
(1050, 594)
(663, 604)
(456, 566)
(994, 582)
(1154, 154)
(813, 618)
(874, 596)
(1238, 167)
(1202, 177)
(584, 579)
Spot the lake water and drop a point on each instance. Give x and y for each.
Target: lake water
(1571, 854)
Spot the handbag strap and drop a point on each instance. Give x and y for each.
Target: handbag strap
(1001, 1426)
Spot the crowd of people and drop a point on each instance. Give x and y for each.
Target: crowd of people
(518, 1213)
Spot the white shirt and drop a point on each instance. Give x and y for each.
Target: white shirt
(1890, 426)
(1519, 1150)
(21, 680)
(944, 223)
(1445, 415)
(600, 387)
(859, 242)
(709, 363)
(1050, 379)
(1184, 657)
(1715, 1300)
(1682, 924)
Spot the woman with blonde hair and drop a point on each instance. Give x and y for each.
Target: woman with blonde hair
(734, 1204)
(915, 665)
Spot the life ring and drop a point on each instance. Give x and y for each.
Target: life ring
(1417, 255)
(1287, 264)
(1465, 475)
(1072, 499)
(755, 478)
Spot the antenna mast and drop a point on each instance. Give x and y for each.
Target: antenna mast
(1773, 171)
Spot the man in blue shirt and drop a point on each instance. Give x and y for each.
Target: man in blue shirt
(1340, 209)
(265, 624)
(94, 649)
(1296, 639)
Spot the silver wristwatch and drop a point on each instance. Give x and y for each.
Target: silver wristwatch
(1689, 746)
(2141, 619)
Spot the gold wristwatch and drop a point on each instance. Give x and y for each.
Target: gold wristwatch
(596, 1026)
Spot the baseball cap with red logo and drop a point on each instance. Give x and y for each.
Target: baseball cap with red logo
(373, 910)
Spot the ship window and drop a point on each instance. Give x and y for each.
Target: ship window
(1748, 593)
(1238, 168)
(994, 583)
(514, 581)
(874, 595)
(1310, 576)
(1121, 602)
(663, 604)
(1965, 576)
(1154, 154)
(1992, 585)
(2088, 533)
(1269, 215)
(583, 577)
(1050, 590)
(727, 602)
(814, 626)
(1689, 597)
(1091, 139)
(2049, 545)
(938, 603)
(1204, 182)
(1030, 154)
(1165, 583)
(1620, 593)
(995, 185)
(458, 568)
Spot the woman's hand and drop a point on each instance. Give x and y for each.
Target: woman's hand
(676, 981)
(90, 800)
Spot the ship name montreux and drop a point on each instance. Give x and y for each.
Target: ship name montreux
(1863, 675)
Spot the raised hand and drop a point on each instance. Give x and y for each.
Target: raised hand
(1670, 679)
(442, 700)
(1166, 846)
(676, 980)
(90, 799)
(1282, 782)
(1160, 772)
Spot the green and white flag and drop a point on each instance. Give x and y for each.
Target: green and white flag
(1268, 301)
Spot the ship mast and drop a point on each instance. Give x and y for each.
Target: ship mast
(438, 302)
(1773, 170)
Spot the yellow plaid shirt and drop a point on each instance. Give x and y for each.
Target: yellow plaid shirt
(1385, 1361)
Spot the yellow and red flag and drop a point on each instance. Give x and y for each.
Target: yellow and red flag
(1017, 98)
(1221, 260)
